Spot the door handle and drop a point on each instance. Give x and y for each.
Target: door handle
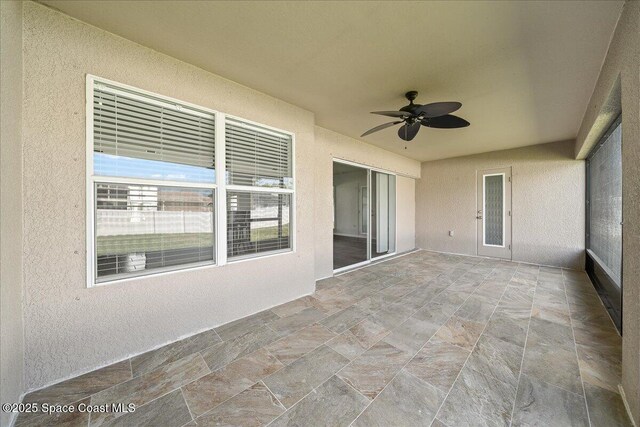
(479, 215)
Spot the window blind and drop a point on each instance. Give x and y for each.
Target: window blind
(143, 228)
(135, 126)
(257, 222)
(256, 156)
(154, 184)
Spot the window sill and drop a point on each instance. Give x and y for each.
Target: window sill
(186, 268)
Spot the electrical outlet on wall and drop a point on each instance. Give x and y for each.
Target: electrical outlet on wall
(450, 233)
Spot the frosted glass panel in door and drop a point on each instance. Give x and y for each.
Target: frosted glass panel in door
(494, 210)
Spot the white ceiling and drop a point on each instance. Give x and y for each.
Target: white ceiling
(524, 71)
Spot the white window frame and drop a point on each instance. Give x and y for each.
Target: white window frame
(219, 188)
(252, 189)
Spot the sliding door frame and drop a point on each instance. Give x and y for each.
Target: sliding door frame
(370, 169)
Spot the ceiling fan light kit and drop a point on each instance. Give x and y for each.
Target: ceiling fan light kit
(435, 115)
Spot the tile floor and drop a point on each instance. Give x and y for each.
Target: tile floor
(423, 339)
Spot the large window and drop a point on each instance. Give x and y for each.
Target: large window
(259, 188)
(152, 227)
(155, 199)
(604, 217)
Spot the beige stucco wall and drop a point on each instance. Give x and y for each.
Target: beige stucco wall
(70, 329)
(619, 86)
(11, 326)
(330, 145)
(547, 203)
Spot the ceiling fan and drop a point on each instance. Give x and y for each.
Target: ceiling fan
(434, 115)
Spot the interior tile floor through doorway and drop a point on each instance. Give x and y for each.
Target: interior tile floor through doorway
(348, 250)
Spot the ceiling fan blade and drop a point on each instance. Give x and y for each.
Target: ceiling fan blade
(393, 113)
(380, 127)
(437, 109)
(409, 131)
(448, 121)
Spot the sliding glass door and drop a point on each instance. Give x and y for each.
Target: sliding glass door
(351, 215)
(364, 216)
(383, 201)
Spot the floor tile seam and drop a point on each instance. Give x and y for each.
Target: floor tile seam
(489, 319)
(299, 400)
(237, 358)
(421, 348)
(589, 350)
(526, 338)
(457, 376)
(351, 387)
(575, 347)
(160, 367)
(366, 406)
(344, 289)
(362, 299)
(296, 359)
(41, 415)
(218, 404)
(463, 303)
(167, 363)
(405, 365)
(288, 334)
(226, 365)
(187, 403)
(88, 396)
(146, 404)
(252, 327)
(408, 372)
(275, 397)
(263, 348)
(373, 400)
(469, 356)
(368, 348)
(578, 395)
(389, 331)
(217, 334)
(487, 324)
(602, 309)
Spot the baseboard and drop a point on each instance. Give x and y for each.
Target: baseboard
(509, 260)
(165, 343)
(626, 405)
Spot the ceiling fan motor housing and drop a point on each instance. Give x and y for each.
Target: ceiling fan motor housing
(411, 108)
(411, 95)
(434, 115)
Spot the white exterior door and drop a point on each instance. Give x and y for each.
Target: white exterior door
(494, 213)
